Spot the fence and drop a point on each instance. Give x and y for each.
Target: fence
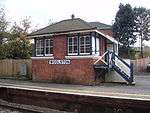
(11, 67)
(140, 64)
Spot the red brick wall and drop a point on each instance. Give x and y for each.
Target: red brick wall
(103, 40)
(107, 32)
(60, 46)
(80, 71)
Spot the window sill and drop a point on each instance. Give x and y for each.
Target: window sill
(48, 55)
(70, 54)
(82, 57)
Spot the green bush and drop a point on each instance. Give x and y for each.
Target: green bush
(147, 53)
(132, 54)
(127, 52)
(19, 48)
(3, 51)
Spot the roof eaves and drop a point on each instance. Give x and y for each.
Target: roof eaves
(61, 32)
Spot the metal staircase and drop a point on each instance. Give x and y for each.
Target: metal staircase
(111, 61)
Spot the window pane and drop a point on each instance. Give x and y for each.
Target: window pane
(81, 49)
(70, 49)
(38, 51)
(42, 43)
(70, 41)
(42, 51)
(81, 40)
(47, 50)
(75, 49)
(72, 45)
(38, 43)
(51, 42)
(51, 50)
(39, 47)
(47, 42)
(87, 49)
(48, 46)
(85, 44)
(51, 46)
(87, 40)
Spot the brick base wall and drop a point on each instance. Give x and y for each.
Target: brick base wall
(80, 71)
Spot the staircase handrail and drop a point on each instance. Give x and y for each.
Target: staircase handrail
(100, 58)
(129, 66)
(122, 60)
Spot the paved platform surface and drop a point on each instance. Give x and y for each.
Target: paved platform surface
(139, 91)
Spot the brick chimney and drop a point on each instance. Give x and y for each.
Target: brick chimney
(72, 16)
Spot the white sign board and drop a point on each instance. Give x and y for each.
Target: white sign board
(59, 61)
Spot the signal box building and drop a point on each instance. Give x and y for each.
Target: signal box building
(73, 51)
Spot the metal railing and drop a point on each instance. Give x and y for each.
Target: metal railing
(101, 58)
(110, 61)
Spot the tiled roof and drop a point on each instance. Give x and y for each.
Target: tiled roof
(70, 25)
(100, 25)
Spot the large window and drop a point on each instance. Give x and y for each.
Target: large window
(39, 47)
(44, 47)
(72, 45)
(85, 45)
(48, 47)
(95, 45)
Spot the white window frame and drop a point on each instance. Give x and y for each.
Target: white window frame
(84, 45)
(40, 47)
(97, 46)
(73, 46)
(49, 46)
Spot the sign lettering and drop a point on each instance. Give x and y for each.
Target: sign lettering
(59, 61)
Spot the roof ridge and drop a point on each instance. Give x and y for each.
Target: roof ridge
(99, 22)
(63, 21)
(70, 24)
(86, 23)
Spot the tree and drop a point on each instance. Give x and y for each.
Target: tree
(21, 29)
(14, 42)
(19, 48)
(19, 45)
(3, 51)
(3, 25)
(124, 26)
(142, 25)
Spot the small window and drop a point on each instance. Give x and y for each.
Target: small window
(85, 46)
(72, 46)
(51, 46)
(48, 47)
(39, 47)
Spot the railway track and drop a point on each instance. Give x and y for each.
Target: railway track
(8, 109)
(32, 99)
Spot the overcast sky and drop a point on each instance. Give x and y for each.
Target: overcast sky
(41, 11)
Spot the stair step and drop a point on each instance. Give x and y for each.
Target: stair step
(101, 66)
(122, 73)
(113, 66)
